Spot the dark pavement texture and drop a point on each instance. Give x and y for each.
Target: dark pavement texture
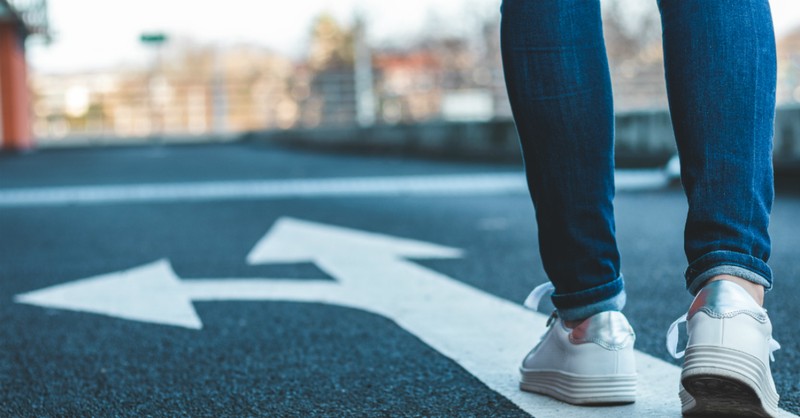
(293, 359)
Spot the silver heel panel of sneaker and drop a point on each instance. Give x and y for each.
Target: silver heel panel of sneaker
(609, 330)
(722, 299)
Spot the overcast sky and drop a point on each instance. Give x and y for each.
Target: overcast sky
(99, 34)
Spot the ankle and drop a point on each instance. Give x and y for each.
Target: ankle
(755, 290)
(573, 324)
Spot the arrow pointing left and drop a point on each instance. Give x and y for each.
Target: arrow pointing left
(154, 293)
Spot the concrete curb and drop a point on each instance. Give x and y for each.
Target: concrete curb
(643, 138)
(116, 141)
(490, 141)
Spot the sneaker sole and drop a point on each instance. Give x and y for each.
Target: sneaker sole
(718, 381)
(580, 390)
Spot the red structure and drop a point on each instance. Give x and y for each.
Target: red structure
(18, 19)
(15, 104)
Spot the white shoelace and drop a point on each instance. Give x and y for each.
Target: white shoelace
(536, 296)
(672, 341)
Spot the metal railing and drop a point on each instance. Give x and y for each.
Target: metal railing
(152, 103)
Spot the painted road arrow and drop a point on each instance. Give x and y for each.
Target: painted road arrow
(486, 335)
(153, 293)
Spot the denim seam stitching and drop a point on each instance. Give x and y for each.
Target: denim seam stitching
(755, 133)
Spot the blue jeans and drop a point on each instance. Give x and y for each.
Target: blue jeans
(720, 67)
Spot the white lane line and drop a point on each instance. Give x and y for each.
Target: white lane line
(461, 184)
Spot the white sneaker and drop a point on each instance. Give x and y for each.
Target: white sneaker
(726, 371)
(591, 364)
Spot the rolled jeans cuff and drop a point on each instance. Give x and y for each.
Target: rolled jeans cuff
(580, 305)
(731, 263)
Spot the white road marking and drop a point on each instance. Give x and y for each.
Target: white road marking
(154, 294)
(486, 335)
(434, 185)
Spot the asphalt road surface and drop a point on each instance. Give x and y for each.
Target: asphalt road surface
(199, 311)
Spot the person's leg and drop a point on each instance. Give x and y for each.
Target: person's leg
(720, 66)
(558, 83)
(721, 76)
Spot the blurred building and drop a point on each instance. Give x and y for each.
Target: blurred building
(407, 85)
(342, 81)
(196, 90)
(789, 68)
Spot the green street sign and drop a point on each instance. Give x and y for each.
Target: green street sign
(153, 38)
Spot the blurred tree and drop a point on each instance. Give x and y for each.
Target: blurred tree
(631, 30)
(332, 45)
